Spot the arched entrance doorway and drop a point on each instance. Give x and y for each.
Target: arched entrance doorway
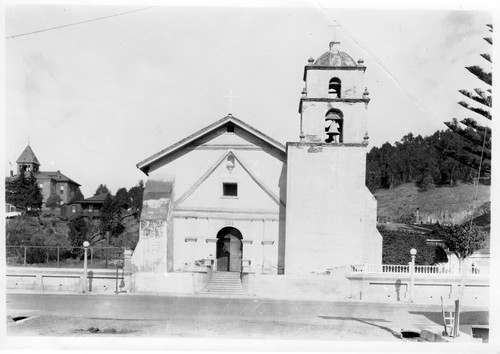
(229, 250)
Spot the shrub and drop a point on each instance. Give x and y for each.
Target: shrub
(396, 246)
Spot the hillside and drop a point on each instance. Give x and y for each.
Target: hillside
(443, 204)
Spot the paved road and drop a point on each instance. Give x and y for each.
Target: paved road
(208, 317)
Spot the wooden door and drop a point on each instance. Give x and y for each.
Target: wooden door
(235, 254)
(223, 249)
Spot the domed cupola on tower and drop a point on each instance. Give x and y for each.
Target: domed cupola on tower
(335, 57)
(334, 99)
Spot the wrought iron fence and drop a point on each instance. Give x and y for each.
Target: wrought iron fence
(64, 257)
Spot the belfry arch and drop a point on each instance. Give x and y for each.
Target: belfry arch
(334, 126)
(334, 87)
(229, 250)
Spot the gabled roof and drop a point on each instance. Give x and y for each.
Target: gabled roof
(28, 156)
(55, 175)
(96, 199)
(145, 164)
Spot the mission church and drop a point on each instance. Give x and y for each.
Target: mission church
(236, 201)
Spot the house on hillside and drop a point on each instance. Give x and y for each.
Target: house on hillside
(88, 208)
(49, 182)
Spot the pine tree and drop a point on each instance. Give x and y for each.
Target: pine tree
(23, 192)
(476, 152)
(136, 194)
(102, 189)
(122, 199)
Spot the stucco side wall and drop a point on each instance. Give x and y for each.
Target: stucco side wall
(373, 238)
(325, 220)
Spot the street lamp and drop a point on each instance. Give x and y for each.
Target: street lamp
(413, 253)
(86, 244)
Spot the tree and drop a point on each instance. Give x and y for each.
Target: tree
(78, 232)
(53, 201)
(476, 152)
(122, 199)
(136, 194)
(78, 196)
(23, 192)
(102, 189)
(463, 240)
(111, 217)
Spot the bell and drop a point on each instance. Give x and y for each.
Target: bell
(333, 129)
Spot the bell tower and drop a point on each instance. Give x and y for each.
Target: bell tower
(334, 100)
(27, 161)
(330, 214)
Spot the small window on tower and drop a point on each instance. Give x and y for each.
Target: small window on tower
(229, 189)
(334, 87)
(230, 128)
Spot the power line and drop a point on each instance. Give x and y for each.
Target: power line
(78, 23)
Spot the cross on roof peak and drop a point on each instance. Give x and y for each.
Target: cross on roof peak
(230, 98)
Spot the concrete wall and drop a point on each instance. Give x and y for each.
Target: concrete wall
(175, 283)
(54, 279)
(428, 289)
(334, 285)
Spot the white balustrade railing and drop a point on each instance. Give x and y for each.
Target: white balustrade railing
(419, 269)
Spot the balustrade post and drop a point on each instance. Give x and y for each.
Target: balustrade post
(413, 253)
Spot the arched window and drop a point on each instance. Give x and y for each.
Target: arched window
(334, 87)
(334, 122)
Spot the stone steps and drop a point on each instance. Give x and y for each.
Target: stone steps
(225, 283)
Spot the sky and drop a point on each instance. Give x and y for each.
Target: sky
(121, 83)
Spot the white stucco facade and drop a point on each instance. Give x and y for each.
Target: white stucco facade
(246, 203)
(200, 209)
